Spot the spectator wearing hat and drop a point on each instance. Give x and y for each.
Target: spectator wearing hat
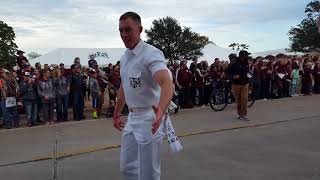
(77, 88)
(26, 67)
(62, 86)
(92, 62)
(238, 71)
(21, 59)
(47, 94)
(28, 89)
(95, 93)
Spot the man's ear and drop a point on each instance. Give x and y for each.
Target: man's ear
(140, 29)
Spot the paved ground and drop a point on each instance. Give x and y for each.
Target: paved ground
(230, 149)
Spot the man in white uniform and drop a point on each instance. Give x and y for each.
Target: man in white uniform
(146, 87)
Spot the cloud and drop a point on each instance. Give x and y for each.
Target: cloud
(94, 23)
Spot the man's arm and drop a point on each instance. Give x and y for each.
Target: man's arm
(121, 101)
(164, 80)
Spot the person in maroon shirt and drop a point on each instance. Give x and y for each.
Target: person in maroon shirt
(264, 80)
(282, 66)
(307, 78)
(257, 77)
(184, 78)
(316, 75)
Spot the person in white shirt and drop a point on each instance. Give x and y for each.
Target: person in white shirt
(146, 87)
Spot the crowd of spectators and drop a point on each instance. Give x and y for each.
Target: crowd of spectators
(46, 93)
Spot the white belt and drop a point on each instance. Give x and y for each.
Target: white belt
(139, 109)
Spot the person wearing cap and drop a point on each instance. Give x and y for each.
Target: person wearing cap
(28, 89)
(21, 58)
(26, 68)
(147, 89)
(238, 72)
(95, 93)
(92, 62)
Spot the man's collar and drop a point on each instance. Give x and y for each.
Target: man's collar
(138, 49)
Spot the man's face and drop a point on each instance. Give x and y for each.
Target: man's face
(244, 58)
(77, 70)
(130, 32)
(77, 61)
(184, 66)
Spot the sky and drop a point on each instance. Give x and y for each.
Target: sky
(43, 25)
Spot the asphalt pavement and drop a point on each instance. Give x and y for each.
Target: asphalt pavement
(279, 142)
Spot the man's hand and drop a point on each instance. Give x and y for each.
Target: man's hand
(117, 122)
(46, 98)
(156, 123)
(236, 77)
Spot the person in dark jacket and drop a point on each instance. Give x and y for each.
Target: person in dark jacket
(77, 86)
(28, 89)
(21, 59)
(239, 74)
(47, 93)
(199, 84)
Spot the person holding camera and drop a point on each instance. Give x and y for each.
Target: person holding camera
(28, 89)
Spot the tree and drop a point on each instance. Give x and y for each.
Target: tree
(175, 41)
(233, 45)
(239, 46)
(244, 46)
(7, 46)
(305, 36)
(33, 55)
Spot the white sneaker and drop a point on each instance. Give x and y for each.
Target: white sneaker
(244, 119)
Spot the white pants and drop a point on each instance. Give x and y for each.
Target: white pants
(140, 149)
